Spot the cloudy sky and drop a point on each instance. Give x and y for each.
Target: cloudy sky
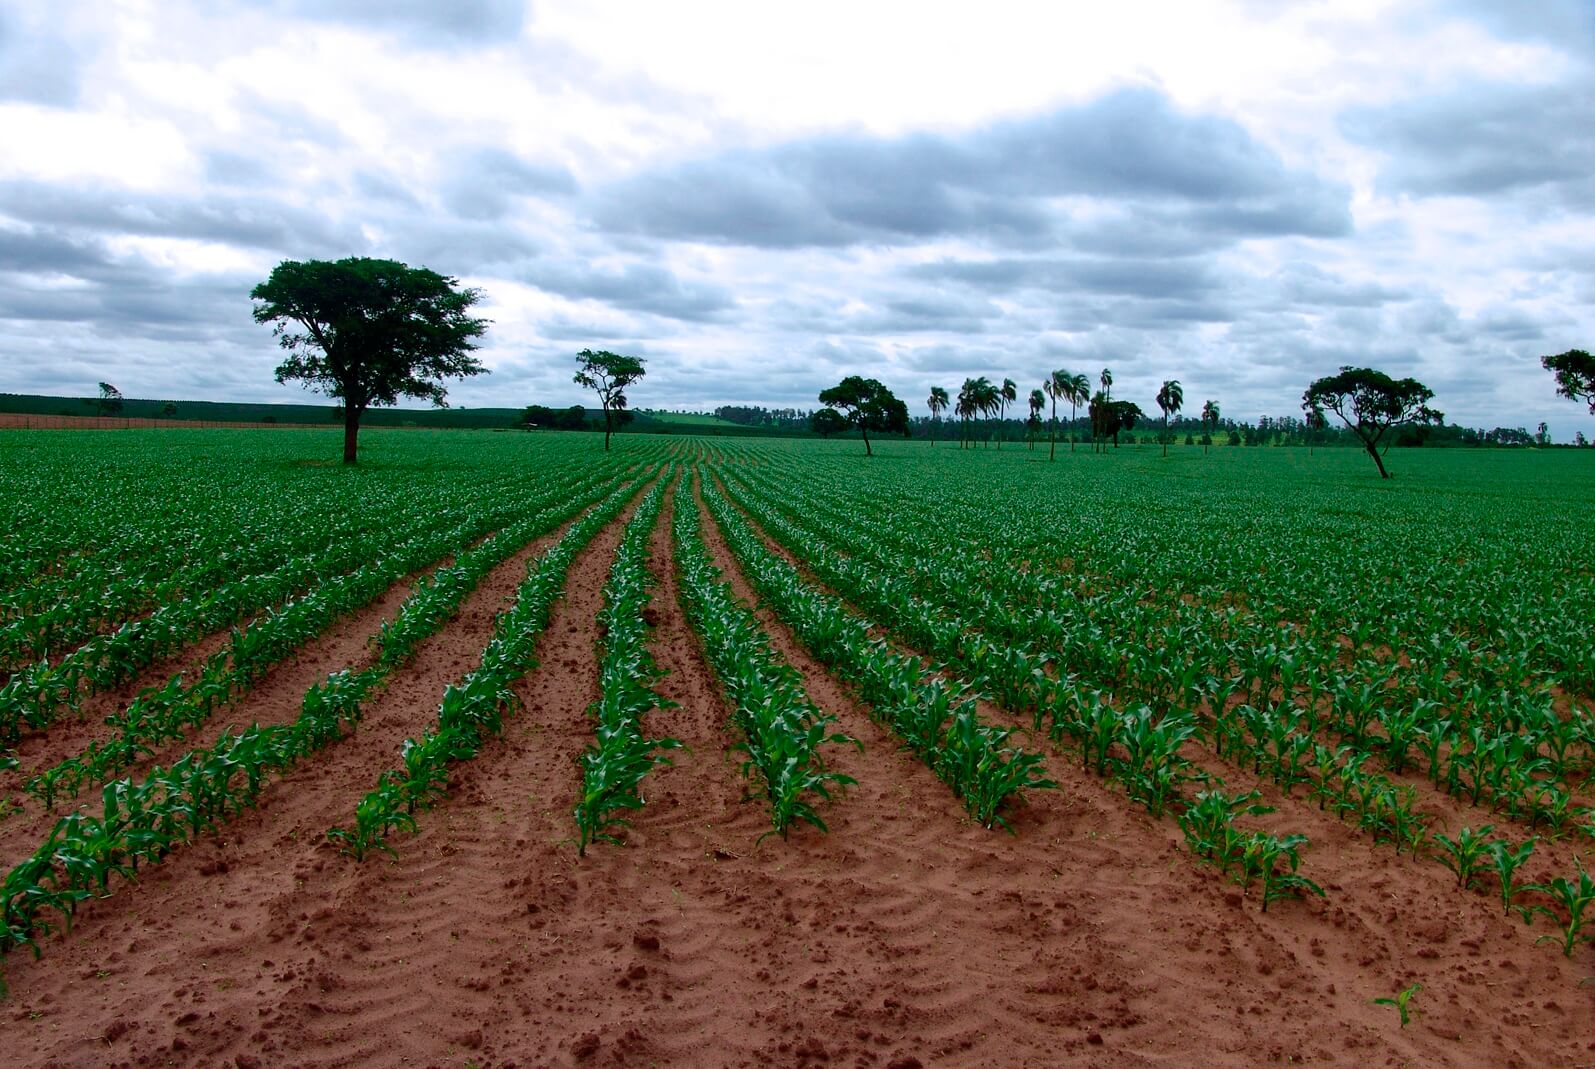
(760, 198)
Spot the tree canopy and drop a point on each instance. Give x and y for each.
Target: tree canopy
(1371, 403)
(369, 331)
(609, 374)
(1109, 417)
(867, 405)
(110, 400)
(1575, 375)
(828, 421)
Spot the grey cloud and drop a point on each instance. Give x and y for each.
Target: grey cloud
(1141, 278)
(485, 179)
(249, 220)
(1301, 284)
(1486, 140)
(995, 183)
(637, 287)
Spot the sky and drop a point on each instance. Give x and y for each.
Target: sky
(761, 198)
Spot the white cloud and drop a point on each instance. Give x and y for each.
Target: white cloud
(759, 199)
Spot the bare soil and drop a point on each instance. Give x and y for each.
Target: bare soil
(906, 936)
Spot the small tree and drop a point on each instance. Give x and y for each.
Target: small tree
(1542, 434)
(1370, 403)
(609, 374)
(110, 402)
(370, 332)
(1171, 398)
(867, 405)
(828, 421)
(937, 402)
(1575, 375)
(168, 409)
(1038, 405)
(1210, 414)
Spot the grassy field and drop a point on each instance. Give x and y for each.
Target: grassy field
(1184, 754)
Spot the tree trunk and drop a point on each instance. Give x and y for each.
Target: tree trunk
(351, 434)
(1074, 415)
(606, 428)
(1052, 433)
(864, 433)
(1165, 436)
(1377, 459)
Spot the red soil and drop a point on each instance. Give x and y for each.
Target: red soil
(906, 936)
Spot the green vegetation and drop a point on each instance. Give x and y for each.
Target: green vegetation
(1363, 645)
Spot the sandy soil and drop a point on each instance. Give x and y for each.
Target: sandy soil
(907, 936)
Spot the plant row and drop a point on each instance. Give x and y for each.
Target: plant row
(614, 764)
(165, 714)
(474, 709)
(936, 720)
(37, 694)
(783, 732)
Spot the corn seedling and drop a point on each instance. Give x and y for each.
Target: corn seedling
(1402, 1002)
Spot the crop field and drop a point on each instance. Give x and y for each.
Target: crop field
(498, 750)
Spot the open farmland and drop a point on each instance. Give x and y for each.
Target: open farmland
(498, 750)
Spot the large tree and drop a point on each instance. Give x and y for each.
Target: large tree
(1371, 403)
(937, 402)
(608, 374)
(369, 332)
(1171, 398)
(828, 421)
(867, 405)
(1575, 375)
(1109, 417)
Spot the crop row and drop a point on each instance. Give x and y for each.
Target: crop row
(614, 764)
(1141, 748)
(475, 708)
(782, 731)
(937, 721)
(163, 714)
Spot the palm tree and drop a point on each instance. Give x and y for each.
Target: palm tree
(1077, 391)
(989, 398)
(1316, 421)
(938, 405)
(1008, 395)
(1210, 422)
(1105, 394)
(968, 405)
(1170, 398)
(1053, 388)
(1038, 403)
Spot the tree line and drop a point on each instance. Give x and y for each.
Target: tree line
(369, 331)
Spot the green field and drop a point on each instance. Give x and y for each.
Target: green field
(1253, 650)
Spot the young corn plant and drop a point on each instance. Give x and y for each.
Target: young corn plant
(1505, 862)
(1573, 898)
(1464, 854)
(1402, 1003)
